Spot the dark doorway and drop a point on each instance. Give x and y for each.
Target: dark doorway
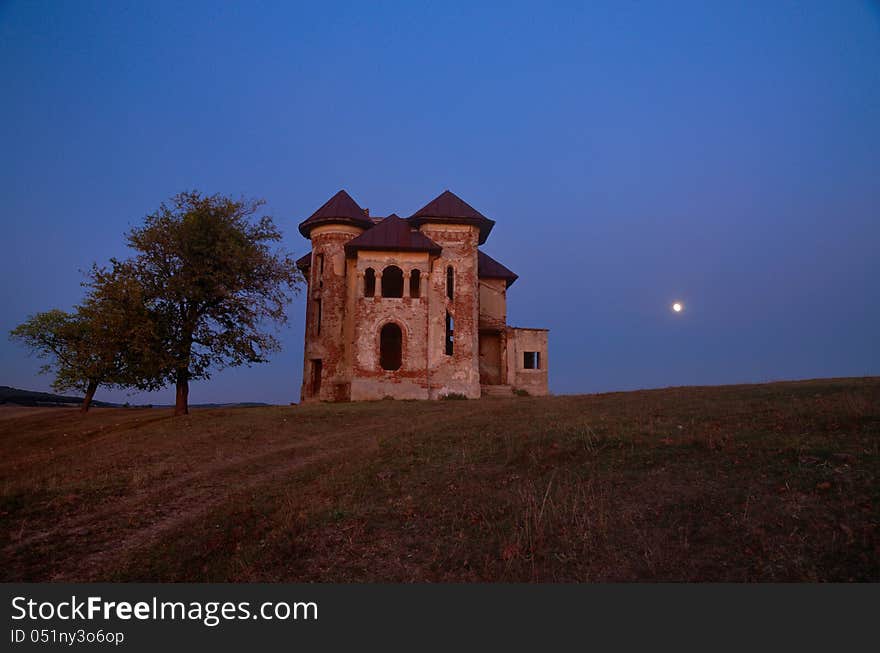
(390, 347)
(490, 359)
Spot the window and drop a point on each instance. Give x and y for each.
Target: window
(369, 282)
(532, 360)
(450, 282)
(415, 284)
(392, 281)
(390, 346)
(450, 325)
(316, 376)
(320, 270)
(318, 317)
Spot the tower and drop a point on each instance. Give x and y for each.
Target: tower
(325, 371)
(454, 286)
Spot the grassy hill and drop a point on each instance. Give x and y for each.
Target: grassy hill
(18, 397)
(32, 398)
(773, 482)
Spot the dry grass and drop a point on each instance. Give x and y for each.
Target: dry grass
(773, 482)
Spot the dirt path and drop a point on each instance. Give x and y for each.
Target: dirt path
(773, 482)
(101, 540)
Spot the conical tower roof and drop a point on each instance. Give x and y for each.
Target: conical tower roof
(449, 207)
(340, 208)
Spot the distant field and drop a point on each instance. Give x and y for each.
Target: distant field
(775, 482)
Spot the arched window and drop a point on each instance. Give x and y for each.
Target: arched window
(415, 284)
(390, 346)
(450, 282)
(392, 281)
(369, 282)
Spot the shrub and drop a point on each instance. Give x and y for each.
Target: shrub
(519, 392)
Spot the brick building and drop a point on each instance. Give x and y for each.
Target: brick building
(411, 308)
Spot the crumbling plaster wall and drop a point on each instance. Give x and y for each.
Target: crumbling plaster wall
(493, 303)
(520, 341)
(370, 314)
(460, 372)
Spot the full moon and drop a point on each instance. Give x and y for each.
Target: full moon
(678, 307)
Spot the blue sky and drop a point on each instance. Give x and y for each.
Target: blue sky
(632, 153)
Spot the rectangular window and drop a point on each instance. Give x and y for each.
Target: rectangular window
(316, 376)
(320, 270)
(318, 317)
(450, 325)
(532, 360)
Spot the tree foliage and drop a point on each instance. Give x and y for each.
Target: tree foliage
(61, 339)
(106, 340)
(125, 331)
(211, 279)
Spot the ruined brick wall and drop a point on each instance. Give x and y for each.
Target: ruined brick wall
(327, 343)
(493, 331)
(370, 314)
(458, 373)
(493, 303)
(493, 357)
(519, 341)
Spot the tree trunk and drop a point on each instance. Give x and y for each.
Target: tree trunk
(87, 400)
(181, 407)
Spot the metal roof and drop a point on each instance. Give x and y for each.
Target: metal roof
(340, 208)
(392, 233)
(489, 268)
(304, 262)
(448, 207)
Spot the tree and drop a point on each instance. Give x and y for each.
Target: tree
(211, 281)
(60, 338)
(125, 332)
(107, 340)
